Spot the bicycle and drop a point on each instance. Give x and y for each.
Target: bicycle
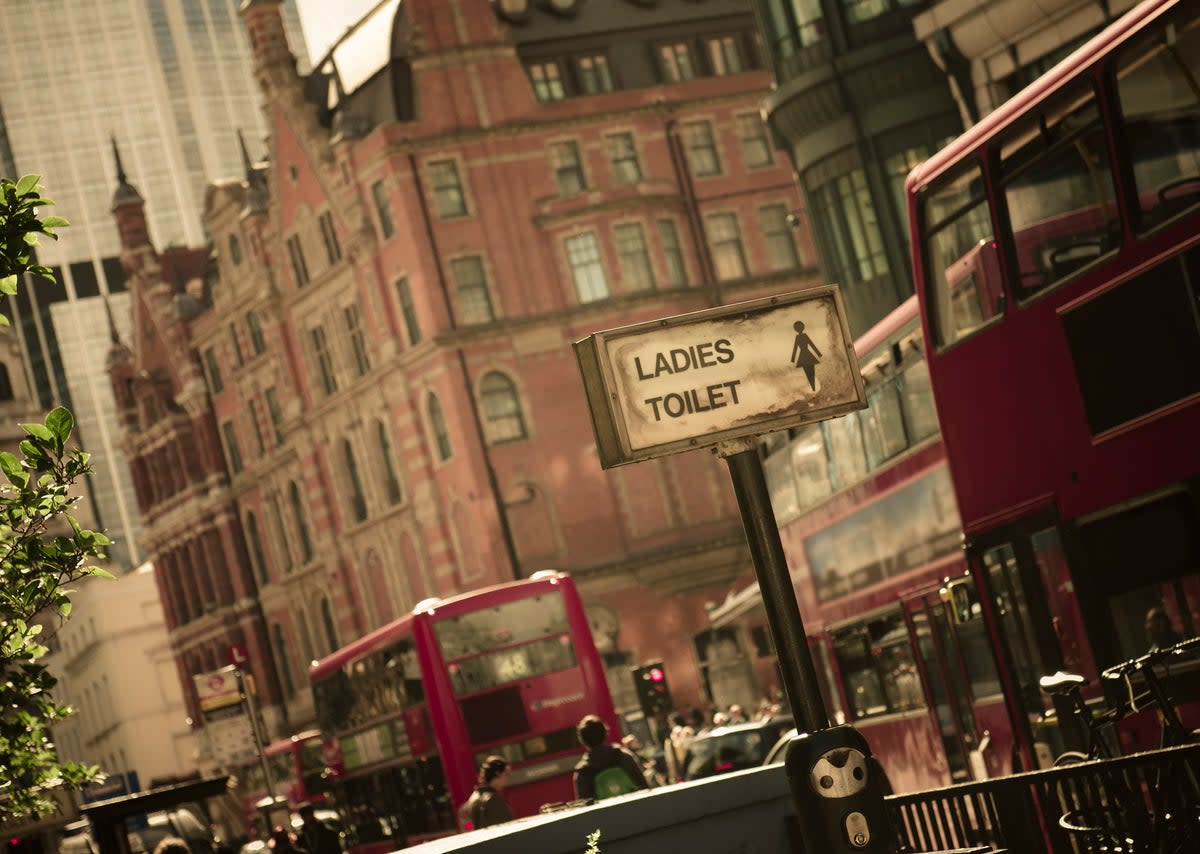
(1158, 815)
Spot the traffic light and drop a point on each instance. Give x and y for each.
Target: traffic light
(653, 695)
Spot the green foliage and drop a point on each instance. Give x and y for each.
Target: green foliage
(43, 550)
(593, 842)
(20, 228)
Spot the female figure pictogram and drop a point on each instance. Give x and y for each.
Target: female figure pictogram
(806, 355)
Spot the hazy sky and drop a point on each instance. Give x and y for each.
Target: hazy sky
(325, 20)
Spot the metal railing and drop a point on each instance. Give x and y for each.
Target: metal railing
(1147, 802)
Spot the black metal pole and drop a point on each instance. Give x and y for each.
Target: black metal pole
(779, 598)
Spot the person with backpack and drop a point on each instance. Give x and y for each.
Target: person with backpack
(485, 807)
(606, 770)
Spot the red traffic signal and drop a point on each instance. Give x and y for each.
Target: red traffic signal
(656, 674)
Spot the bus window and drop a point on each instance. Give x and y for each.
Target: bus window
(1058, 187)
(382, 683)
(972, 639)
(878, 667)
(963, 278)
(502, 625)
(1157, 85)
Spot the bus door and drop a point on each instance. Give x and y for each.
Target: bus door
(1028, 606)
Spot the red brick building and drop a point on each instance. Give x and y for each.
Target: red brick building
(457, 193)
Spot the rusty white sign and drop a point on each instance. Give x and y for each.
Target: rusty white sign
(699, 379)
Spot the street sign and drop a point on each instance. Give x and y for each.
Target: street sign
(217, 689)
(705, 378)
(236, 654)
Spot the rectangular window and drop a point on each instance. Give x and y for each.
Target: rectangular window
(676, 270)
(448, 197)
(701, 149)
(725, 240)
(622, 154)
(675, 62)
(777, 232)
(593, 74)
(844, 213)
(474, 301)
(1058, 186)
(296, 255)
(587, 269)
(323, 358)
(215, 383)
(358, 340)
(408, 311)
(752, 134)
(725, 55)
(547, 81)
(258, 433)
(333, 249)
(256, 334)
(383, 210)
(634, 257)
(232, 453)
(878, 668)
(568, 167)
(276, 414)
(237, 347)
(1156, 84)
(962, 273)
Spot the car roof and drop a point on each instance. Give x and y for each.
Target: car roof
(745, 726)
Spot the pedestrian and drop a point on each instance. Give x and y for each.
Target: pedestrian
(737, 715)
(649, 771)
(172, 845)
(1159, 631)
(675, 746)
(606, 770)
(315, 835)
(486, 807)
(281, 842)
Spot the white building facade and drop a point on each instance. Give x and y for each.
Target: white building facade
(115, 667)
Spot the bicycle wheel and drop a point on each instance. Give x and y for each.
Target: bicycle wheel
(1102, 830)
(1071, 757)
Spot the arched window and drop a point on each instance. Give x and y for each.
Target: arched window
(6, 389)
(437, 421)
(283, 661)
(331, 637)
(254, 541)
(306, 548)
(358, 501)
(502, 416)
(390, 470)
(280, 532)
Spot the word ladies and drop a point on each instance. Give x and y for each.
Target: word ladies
(694, 357)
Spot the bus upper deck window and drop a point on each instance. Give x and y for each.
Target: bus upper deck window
(1058, 188)
(1158, 85)
(962, 273)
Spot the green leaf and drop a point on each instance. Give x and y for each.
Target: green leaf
(8, 284)
(28, 184)
(99, 573)
(13, 470)
(54, 222)
(38, 431)
(64, 608)
(60, 422)
(31, 238)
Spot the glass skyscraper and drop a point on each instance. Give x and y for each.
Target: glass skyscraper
(172, 82)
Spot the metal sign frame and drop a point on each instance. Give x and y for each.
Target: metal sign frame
(609, 411)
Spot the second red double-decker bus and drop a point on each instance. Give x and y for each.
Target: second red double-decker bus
(298, 773)
(1056, 245)
(409, 712)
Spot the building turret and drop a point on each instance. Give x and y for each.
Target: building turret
(129, 209)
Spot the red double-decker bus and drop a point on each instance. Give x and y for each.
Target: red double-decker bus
(871, 532)
(409, 712)
(298, 772)
(1056, 247)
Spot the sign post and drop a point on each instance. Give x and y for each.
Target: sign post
(720, 378)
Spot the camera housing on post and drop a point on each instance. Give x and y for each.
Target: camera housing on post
(838, 792)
